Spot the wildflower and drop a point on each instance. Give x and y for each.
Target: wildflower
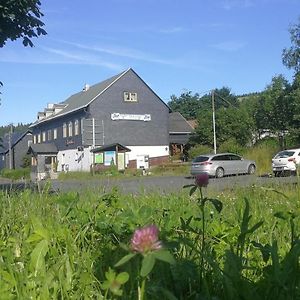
(202, 179)
(145, 239)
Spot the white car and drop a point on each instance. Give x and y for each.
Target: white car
(286, 162)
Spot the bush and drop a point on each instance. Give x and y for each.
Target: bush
(198, 150)
(231, 145)
(16, 174)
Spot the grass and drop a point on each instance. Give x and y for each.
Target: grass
(262, 154)
(62, 246)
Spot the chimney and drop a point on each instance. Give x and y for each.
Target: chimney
(86, 87)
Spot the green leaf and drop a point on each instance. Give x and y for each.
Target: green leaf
(193, 190)
(275, 191)
(217, 204)
(69, 275)
(147, 264)
(34, 238)
(122, 277)
(125, 259)
(110, 275)
(9, 278)
(164, 255)
(253, 228)
(282, 215)
(188, 186)
(38, 257)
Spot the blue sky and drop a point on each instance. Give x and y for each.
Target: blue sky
(175, 46)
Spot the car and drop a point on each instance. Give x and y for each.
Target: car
(219, 165)
(285, 162)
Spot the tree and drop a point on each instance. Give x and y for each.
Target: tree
(291, 56)
(187, 104)
(277, 105)
(20, 19)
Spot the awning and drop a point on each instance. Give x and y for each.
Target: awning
(46, 148)
(111, 147)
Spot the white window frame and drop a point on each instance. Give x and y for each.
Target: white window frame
(130, 97)
(44, 136)
(55, 133)
(39, 138)
(65, 133)
(49, 135)
(70, 128)
(76, 127)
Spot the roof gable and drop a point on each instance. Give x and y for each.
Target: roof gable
(83, 98)
(178, 124)
(87, 96)
(16, 137)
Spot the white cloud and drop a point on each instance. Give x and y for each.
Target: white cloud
(125, 52)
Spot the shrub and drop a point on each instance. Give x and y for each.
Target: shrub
(16, 174)
(198, 150)
(231, 145)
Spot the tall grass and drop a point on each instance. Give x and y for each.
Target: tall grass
(262, 154)
(65, 246)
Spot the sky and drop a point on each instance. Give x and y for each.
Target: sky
(175, 46)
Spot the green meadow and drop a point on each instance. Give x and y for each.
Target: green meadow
(239, 244)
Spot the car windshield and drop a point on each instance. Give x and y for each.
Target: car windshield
(201, 159)
(284, 154)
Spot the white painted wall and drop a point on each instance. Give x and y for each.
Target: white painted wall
(75, 160)
(152, 151)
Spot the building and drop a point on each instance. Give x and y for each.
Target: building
(122, 110)
(180, 131)
(14, 149)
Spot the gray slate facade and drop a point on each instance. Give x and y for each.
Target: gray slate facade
(19, 146)
(94, 109)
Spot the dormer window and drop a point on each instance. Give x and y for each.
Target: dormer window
(130, 97)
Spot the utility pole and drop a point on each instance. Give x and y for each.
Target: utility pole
(10, 147)
(214, 120)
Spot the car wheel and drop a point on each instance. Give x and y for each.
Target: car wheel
(251, 169)
(219, 173)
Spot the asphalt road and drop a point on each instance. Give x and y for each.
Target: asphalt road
(167, 184)
(150, 184)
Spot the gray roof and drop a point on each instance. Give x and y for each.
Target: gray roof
(46, 148)
(83, 98)
(15, 138)
(111, 147)
(178, 124)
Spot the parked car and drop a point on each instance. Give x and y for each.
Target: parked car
(285, 162)
(219, 165)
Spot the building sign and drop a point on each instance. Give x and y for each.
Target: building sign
(109, 158)
(130, 117)
(99, 158)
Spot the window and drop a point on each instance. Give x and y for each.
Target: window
(235, 157)
(130, 97)
(70, 129)
(33, 161)
(39, 138)
(44, 136)
(34, 139)
(55, 133)
(49, 135)
(76, 127)
(65, 130)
